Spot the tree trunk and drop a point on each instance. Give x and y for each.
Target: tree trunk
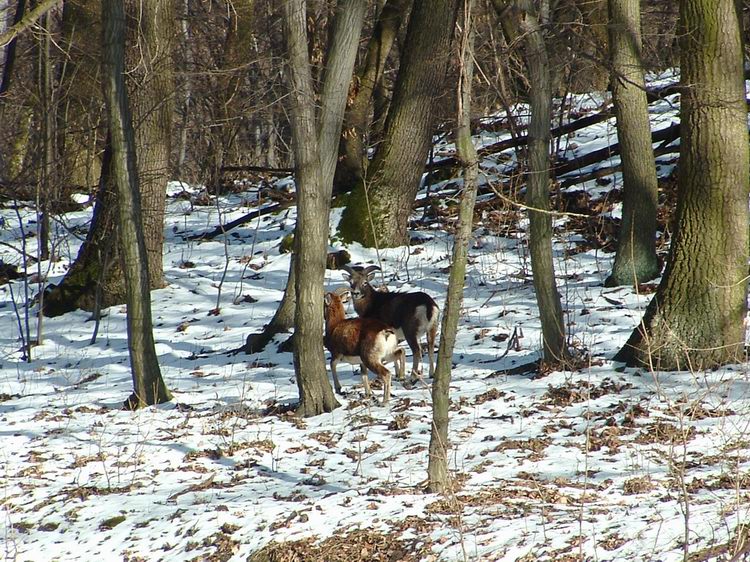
(339, 68)
(342, 50)
(437, 468)
(96, 279)
(186, 90)
(148, 385)
(519, 21)
(590, 65)
(377, 212)
(315, 160)
(635, 261)
(9, 59)
(283, 318)
(151, 69)
(27, 20)
(353, 148)
(695, 320)
(47, 187)
(80, 119)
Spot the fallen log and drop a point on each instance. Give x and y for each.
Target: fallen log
(257, 169)
(224, 228)
(609, 170)
(664, 136)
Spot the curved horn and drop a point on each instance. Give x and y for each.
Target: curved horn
(348, 269)
(371, 268)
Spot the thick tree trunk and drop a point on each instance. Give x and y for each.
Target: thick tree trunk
(338, 72)
(80, 123)
(635, 261)
(377, 212)
(316, 395)
(150, 67)
(437, 467)
(695, 320)
(352, 150)
(148, 385)
(315, 160)
(96, 276)
(86, 285)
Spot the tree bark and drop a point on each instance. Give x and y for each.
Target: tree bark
(520, 21)
(695, 319)
(27, 20)
(377, 212)
(315, 146)
(151, 69)
(316, 395)
(337, 76)
(148, 385)
(353, 148)
(590, 66)
(9, 59)
(635, 260)
(437, 467)
(95, 279)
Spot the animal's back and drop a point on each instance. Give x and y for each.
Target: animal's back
(351, 334)
(405, 307)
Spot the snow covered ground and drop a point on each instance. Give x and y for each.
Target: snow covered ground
(604, 463)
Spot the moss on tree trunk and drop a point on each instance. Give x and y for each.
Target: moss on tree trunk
(378, 209)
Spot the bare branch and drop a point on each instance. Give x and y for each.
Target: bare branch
(27, 21)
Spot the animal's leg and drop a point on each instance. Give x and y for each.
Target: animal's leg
(386, 385)
(336, 383)
(365, 379)
(416, 351)
(383, 375)
(431, 334)
(399, 363)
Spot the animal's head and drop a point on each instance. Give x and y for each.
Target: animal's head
(334, 302)
(359, 279)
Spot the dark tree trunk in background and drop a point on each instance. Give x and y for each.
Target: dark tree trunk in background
(96, 277)
(437, 467)
(635, 261)
(590, 67)
(283, 318)
(696, 318)
(27, 19)
(315, 145)
(377, 212)
(148, 385)
(353, 149)
(10, 50)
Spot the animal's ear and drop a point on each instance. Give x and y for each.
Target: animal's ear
(370, 272)
(342, 293)
(327, 299)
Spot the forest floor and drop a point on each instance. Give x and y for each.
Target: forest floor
(602, 463)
